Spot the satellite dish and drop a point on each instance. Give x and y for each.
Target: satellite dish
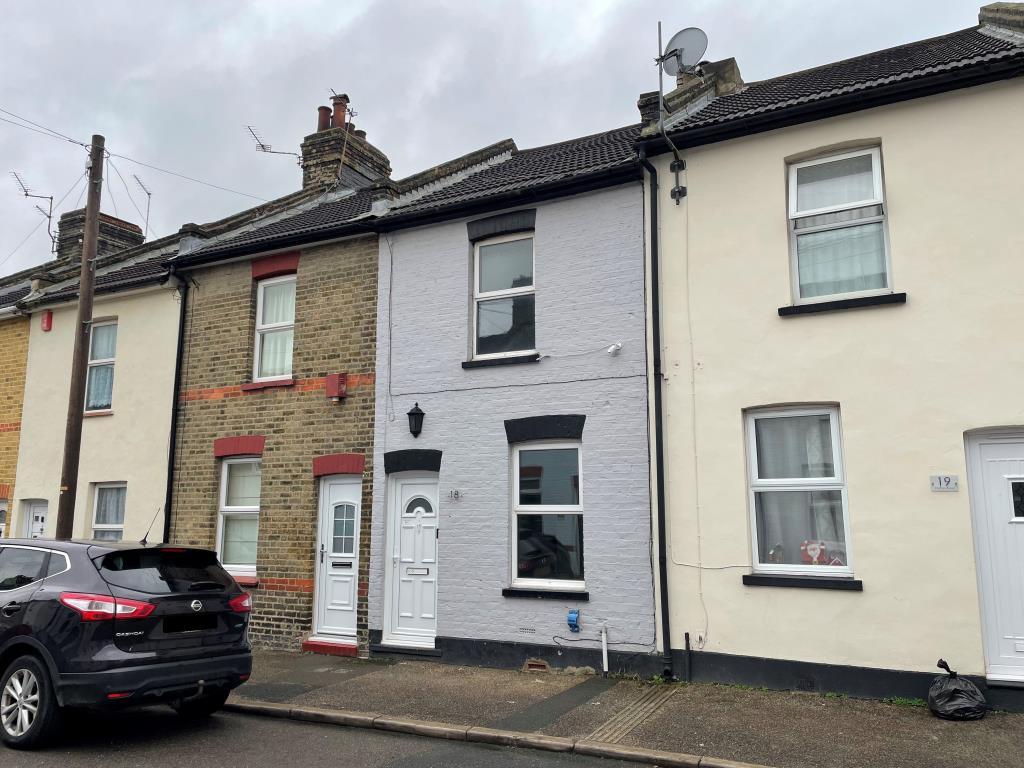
(684, 51)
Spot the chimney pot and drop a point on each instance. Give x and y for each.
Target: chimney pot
(360, 133)
(340, 102)
(323, 118)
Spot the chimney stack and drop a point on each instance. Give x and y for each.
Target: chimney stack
(337, 152)
(1004, 15)
(115, 235)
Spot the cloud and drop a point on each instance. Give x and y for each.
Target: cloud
(175, 84)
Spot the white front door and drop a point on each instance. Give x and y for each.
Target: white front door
(35, 525)
(411, 610)
(997, 500)
(337, 572)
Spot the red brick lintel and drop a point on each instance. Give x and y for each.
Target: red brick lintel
(256, 386)
(355, 381)
(275, 266)
(339, 464)
(243, 445)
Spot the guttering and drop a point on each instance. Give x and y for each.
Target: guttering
(659, 436)
(172, 447)
(846, 103)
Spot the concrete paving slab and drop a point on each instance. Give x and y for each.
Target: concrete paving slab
(804, 730)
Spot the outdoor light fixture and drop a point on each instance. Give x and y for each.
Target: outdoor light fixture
(416, 420)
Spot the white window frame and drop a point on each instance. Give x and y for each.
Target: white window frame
(561, 585)
(5, 511)
(835, 483)
(262, 328)
(480, 296)
(224, 511)
(111, 361)
(96, 506)
(878, 198)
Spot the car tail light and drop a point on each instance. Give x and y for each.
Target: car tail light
(241, 603)
(105, 607)
(119, 696)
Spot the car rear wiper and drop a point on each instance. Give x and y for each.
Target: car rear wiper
(202, 586)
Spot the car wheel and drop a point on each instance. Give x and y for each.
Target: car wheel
(29, 712)
(204, 706)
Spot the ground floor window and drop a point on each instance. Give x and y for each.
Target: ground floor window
(3, 518)
(547, 516)
(797, 491)
(238, 528)
(108, 511)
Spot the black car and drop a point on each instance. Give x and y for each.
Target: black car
(104, 624)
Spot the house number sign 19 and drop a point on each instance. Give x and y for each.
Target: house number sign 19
(945, 483)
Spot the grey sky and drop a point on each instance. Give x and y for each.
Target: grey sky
(174, 84)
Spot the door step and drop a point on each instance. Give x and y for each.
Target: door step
(329, 647)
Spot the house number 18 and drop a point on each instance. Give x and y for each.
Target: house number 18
(454, 495)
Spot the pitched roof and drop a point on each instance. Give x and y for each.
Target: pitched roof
(493, 175)
(13, 295)
(148, 270)
(904, 63)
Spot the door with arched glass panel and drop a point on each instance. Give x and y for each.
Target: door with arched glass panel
(338, 556)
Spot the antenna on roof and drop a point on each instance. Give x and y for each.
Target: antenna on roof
(262, 146)
(682, 54)
(149, 197)
(47, 214)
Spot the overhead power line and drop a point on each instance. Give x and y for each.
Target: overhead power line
(58, 134)
(188, 178)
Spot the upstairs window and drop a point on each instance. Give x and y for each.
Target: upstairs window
(798, 492)
(238, 531)
(838, 240)
(275, 328)
(503, 297)
(547, 516)
(99, 388)
(108, 511)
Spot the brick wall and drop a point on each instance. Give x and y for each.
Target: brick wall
(335, 320)
(13, 358)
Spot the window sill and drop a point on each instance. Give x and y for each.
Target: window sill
(93, 414)
(532, 357)
(804, 582)
(840, 304)
(549, 594)
(257, 386)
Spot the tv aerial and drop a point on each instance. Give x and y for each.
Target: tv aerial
(263, 146)
(684, 51)
(46, 213)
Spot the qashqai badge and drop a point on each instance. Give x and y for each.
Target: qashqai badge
(197, 606)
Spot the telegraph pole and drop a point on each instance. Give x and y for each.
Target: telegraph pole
(80, 360)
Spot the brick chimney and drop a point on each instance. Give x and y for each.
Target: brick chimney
(694, 90)
(1004, 15)
(115, 235)
(337, 151)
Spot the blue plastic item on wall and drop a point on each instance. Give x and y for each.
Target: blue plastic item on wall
(573, 620)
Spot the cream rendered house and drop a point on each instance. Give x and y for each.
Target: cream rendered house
(130, 388)
(842, 419)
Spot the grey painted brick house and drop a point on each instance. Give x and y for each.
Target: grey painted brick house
(519, 332)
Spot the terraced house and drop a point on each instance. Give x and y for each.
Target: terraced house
(842, 434)
(14, 329)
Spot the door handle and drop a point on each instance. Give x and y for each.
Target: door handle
(10, 609)
(322, 548)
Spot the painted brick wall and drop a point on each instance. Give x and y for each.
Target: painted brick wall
(590, 293)
(13, 359)
(335, 318)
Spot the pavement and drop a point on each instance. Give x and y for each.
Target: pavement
(158, 738)
(769, 728)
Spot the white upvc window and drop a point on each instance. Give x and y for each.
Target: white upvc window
(504, 316)
(239, 518)
(798, 508)
(547, 516)
(839, 245)
(3, 517)
(99, 386)
(275, 328)
(108, 511)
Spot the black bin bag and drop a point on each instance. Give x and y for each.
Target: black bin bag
(952, 697)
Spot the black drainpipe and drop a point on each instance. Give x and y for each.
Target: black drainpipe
(183, 293)
(659, 437)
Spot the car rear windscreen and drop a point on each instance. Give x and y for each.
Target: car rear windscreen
(164, 571)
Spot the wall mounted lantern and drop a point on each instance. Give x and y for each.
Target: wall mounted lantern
(416, 420)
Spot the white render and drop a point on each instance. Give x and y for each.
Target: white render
(130, 445)
(589, 278)
(910, 381)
